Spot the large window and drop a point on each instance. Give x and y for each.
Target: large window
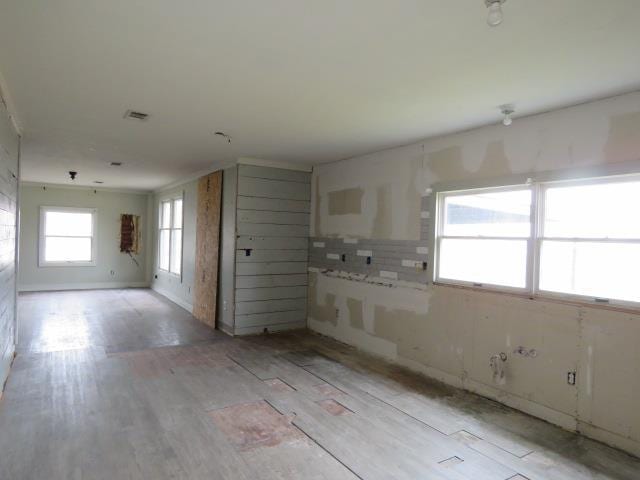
(571, 239)
(170, 236)
(67, 236)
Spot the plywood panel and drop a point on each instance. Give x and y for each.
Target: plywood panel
(207, 246)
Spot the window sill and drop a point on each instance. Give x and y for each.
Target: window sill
(546, 298)
(66, 264)
(167, 273)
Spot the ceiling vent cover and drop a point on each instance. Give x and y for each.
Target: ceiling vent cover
(136, 115)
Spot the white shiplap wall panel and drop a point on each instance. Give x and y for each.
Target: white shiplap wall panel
(272, 249)
(9, 153)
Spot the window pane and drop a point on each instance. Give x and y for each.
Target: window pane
(165, 215)
(67, 249)
(593, 211)
(176, 250)
(495, 262)
(177, 213)
(70, 224)
(494, 214)
(164, 249)
(605, 270)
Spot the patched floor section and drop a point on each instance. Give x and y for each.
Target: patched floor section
(279, 386)
(254, 425)
(334, 408)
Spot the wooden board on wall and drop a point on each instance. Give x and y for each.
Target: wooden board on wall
(207, 246)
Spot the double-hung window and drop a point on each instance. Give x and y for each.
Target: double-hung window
(67, 237)
(170, 236)
(573, 239)
(484, 237)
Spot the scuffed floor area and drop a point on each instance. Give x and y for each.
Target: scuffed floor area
(123, 384)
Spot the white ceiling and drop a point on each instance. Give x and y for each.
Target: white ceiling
(293, 80)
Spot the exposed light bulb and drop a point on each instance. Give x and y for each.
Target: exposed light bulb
(507, 120)
(494, 18)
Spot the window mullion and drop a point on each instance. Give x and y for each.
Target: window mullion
(171, 213)
(536, 230)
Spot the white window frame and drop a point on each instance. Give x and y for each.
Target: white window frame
(540, 237)
(441, 196)
(171, 200)
(42, 262)
(534, 244)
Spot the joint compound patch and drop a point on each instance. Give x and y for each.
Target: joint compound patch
(422, 250)
(364, 253)
(350, 240)
(346, 202)
(333, 256)
(318, 244)
(425, 215)
(391, 275)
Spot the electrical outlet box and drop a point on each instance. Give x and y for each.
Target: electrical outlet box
(571, 378)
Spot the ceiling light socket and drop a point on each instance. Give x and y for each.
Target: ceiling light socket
(495, 16)
(507, 111)
(72, 175)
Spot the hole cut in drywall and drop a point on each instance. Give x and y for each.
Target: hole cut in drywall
(346, 202)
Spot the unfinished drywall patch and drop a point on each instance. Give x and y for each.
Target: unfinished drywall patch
(623, 143)
(325, 312)
(355, 313)
(382, 223)
(405, 329)
(446, 164)
(345, 202)
(495, 161)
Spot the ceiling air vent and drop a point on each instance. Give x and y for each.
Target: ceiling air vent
(136, 115)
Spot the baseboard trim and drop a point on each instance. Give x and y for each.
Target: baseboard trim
(170, 296)
(53, 287)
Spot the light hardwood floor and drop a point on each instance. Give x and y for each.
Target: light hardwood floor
(123, 384)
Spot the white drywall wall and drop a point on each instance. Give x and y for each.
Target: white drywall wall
(450, 333)
(109, 204)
